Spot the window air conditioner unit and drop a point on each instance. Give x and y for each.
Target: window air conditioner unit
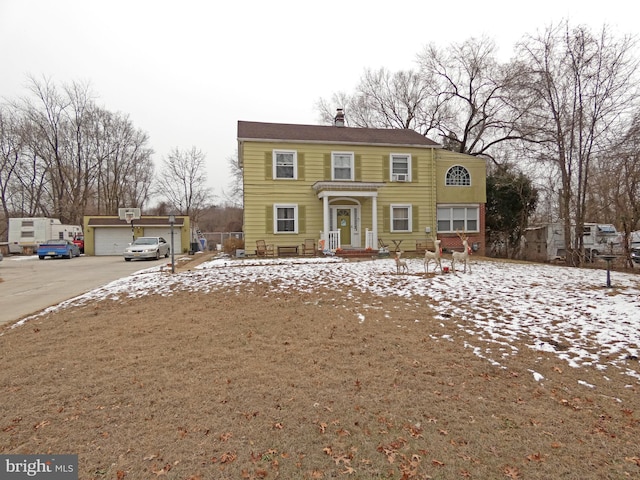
(401, 177)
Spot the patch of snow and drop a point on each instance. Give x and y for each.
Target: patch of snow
(582, 382)
(538, 377)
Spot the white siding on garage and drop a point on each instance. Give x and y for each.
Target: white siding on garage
(112, 241)
(165, 232)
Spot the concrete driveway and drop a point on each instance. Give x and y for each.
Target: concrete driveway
(28, 285)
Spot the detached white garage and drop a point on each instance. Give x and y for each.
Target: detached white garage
(109, 235)
(112, 241)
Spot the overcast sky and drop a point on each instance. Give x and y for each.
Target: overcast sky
(186, 71)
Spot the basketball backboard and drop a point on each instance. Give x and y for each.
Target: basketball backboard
(129, 214)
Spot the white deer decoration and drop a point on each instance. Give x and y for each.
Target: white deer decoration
(401, 265)
(436, 256)
(463, 256)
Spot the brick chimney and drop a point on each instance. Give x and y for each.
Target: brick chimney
(338, 121)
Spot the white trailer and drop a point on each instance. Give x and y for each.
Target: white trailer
(601, 238)
(546, 243)
(31, 231)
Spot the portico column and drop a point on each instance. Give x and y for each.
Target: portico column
(374, 220)
(325, 219)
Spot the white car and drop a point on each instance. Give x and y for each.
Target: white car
(147, 248)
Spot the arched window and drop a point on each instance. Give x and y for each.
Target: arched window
(457, 176)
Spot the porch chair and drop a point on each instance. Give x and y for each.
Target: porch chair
(309, 247)
(264, 250)
(382, 245)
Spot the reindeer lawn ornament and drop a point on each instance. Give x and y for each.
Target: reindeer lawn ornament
(436, 256)
(401, 265)
(463, 256)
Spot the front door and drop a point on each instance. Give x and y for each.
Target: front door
(344, 225)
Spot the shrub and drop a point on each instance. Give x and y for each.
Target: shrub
(232, 244)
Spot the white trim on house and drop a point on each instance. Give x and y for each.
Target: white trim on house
(400, 177)
(352, 190)
(392, 217)
(352, 166)
(355, 230)
(451, 217)
(294, 153)
(295, 219)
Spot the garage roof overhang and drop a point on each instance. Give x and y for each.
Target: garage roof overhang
(142, 222)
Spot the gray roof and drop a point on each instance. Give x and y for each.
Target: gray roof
(284, 132)
(111, 221)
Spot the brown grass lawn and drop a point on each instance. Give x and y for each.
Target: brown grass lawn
(234, 386)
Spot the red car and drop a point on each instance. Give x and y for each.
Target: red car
(79, 242)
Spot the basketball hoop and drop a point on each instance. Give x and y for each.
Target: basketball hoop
(129, 215)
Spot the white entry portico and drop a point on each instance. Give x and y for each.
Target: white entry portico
(342, 213)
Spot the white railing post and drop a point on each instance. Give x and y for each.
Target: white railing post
(369, 243)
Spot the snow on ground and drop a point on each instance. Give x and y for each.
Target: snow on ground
(568, 311)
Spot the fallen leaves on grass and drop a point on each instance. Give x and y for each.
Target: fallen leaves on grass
(161, 471)
(535, 457)
(635, 460)
(512, 472)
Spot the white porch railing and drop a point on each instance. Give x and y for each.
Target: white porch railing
(334, 240)
(331, 240)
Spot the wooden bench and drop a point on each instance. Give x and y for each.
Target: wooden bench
(287, 250)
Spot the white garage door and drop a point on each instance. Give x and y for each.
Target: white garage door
(165, 232)
(112, 241)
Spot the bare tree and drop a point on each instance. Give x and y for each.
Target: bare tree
(126, 168)
(234, 195)
(471, 87)
(63, 156)
(327, 108)
(10, 148)
(182, 182)
(456, 97)
(616, 185)
(582, 87)
(386, 100)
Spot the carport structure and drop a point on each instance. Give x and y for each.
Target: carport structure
(109, 235)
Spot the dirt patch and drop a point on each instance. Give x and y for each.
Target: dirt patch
(188, 262)
(298, 385)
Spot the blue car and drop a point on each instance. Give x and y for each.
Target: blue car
(58, 249)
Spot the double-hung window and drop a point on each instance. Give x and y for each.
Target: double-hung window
(342, 166)
(285, 164)
(285, 218)
(458, 218)
(400, 167)
(400, 218)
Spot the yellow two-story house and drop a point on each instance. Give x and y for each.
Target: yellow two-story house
(356, 188)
